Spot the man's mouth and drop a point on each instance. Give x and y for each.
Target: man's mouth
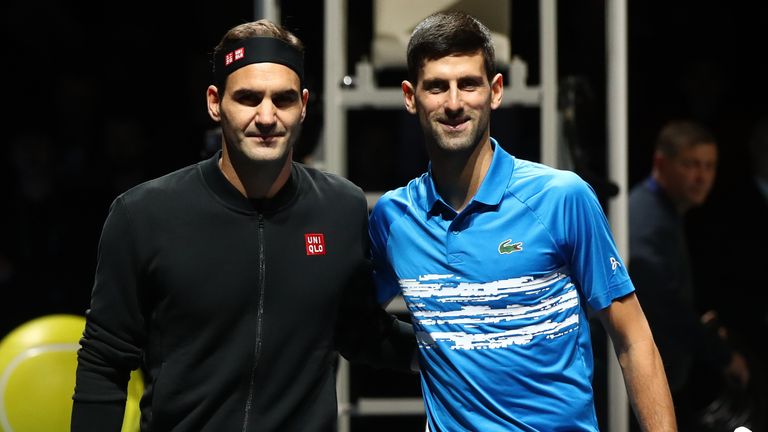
(265, 138)
(454, 125)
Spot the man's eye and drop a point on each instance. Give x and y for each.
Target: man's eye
(284, 100)
(250, 100)
(470, 84)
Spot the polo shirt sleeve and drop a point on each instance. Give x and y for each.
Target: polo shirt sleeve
(589, 246)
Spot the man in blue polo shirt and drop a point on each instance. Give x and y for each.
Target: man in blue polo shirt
(501, 261)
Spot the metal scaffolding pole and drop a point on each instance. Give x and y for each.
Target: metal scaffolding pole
(616, 63)
(269, 9)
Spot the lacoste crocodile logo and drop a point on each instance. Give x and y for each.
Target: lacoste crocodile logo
(507, 247)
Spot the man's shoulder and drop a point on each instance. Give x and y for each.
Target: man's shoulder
(159, 198)
(396, 205)
(161, 187)
(638, 193)
(646, 197)
(402, 197)
(325, 182)
(531, 179)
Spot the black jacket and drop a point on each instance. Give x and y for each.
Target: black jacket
(235, 309)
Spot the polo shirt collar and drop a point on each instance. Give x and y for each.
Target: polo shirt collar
(491, 190)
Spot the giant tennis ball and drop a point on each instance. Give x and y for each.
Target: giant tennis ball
(38, 360)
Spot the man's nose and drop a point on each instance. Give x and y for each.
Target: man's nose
(454, 102)
(265, 113)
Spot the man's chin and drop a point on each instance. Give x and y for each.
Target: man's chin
(265, 155)
(460, 142)
(697, 200)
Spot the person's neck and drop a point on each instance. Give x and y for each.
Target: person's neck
(255, 180)
(458, 175)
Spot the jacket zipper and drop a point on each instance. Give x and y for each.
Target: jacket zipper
(259, 324)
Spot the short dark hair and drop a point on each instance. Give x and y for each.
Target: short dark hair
(679, 134)
(445, 33)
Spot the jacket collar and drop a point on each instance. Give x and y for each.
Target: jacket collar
(231, 197)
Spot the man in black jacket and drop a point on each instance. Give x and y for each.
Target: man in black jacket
(235, 282)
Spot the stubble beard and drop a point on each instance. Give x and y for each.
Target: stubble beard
(241, 148)
(462, 142)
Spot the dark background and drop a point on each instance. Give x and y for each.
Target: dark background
(100, 97)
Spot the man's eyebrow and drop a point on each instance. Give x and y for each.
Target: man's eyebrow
(462, 79)
(246, 92)
(428, 82)
(288, 92)
(291, 92)
(474, 79)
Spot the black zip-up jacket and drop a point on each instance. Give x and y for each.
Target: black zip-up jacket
(235, 309)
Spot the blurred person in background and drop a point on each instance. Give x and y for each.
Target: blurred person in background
(692, 344)
(727, 239)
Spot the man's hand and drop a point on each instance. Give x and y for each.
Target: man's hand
(738, 370)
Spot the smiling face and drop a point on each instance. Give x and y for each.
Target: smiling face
(453, 100)
(260, 113)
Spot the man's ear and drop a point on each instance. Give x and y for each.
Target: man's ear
(497, 91)
(659, 160)
(304, 99)
(409, 96)
(214, 102)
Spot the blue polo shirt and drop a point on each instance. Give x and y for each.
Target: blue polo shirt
(499, 294)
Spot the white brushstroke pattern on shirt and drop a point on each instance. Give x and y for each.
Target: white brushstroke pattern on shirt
(446, 290)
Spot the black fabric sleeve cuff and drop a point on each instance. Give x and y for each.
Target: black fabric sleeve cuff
(97, 416)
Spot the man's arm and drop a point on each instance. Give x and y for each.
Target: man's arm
(97, 416)
(641, 364)
(107, 355)
(368, 334)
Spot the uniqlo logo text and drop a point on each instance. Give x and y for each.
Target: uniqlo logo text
(234, 55)
(315, 244)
